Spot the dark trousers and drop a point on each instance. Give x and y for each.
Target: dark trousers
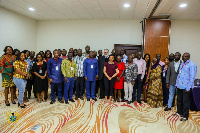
(79, 86)
(102, 89)
(53, 90)
(138, 86)
(165, 92)
(29, 86)
(109, 86)
(183, 102)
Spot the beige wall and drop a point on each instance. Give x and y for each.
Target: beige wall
(98, 34)
(185, 37)
(17, 30)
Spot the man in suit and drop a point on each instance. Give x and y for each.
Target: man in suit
(172, 73)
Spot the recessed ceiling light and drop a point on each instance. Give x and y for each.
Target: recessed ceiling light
(126, 5)
(183, 5)
(31, 9)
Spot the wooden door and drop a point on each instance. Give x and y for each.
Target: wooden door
(129, 48)
(157, 37)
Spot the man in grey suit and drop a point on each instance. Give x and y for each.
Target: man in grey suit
(172, 73)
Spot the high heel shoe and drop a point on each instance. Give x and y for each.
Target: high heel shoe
(13, 102)
(7, 104)
(21, 106)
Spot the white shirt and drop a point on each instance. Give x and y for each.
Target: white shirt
(176, 65)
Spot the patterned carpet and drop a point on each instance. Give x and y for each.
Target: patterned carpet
(93, 117)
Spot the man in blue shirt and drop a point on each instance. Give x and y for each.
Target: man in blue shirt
(90, 70)
(55, 76)
(184, 83)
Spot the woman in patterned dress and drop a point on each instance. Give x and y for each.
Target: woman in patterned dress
(6, 69)
(20, 77)
(155, 92)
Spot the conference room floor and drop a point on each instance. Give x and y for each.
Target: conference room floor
(85, 116)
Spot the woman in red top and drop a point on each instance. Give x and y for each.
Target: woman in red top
(119, 81)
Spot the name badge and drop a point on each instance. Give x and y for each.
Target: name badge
(118, 71)
(71, 68)
(40, 71)
(179, 71)
(56, 67)
(91, 66)
(163, 74)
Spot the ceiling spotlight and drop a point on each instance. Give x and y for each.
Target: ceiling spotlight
(183, 5)
(31, 9)
(126, 5)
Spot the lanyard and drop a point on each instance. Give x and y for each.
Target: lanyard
(40, 64)
(70, 62)
(91, 60)
(184, 65)
(56, 61)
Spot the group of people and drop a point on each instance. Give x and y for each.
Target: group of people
(118, 76)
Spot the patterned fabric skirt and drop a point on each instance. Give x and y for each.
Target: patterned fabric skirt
(155, 94)
(6, 83)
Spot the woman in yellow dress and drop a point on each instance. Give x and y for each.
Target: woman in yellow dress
(155, 91)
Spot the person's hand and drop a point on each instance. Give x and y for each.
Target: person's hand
(66, 80)
(109, 78)
(97, 77)
(27, 76)
(133, 82)
(51, 80)
(175, 87)
(187, 91)
(9, 74)
(118, 78)
(125, 80)
(167, 85)
(141, 80)
(86, 79)
(75, 78)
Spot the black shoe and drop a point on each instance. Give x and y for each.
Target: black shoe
(94, 99)
(167, 109)
(100, 97)
(129, 102)
(13, 102)
(7, 104)
(52, 102)
(123, 100)
(139, 101)
(66, 102)
(183, 119)
(21, 106)
(71, 100)
(88, 99)
(29, 97)
(61, 101)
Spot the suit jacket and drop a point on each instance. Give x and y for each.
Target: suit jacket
(172, 74)
(101, 62)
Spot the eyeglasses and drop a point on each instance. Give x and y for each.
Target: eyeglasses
(8, 49)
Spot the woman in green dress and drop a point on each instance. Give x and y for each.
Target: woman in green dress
(6, 69)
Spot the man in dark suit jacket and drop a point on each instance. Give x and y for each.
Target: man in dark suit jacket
(101, 62)
(172, 73)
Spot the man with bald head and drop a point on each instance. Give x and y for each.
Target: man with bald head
(184, 83)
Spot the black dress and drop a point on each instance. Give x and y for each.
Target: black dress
(40, 84)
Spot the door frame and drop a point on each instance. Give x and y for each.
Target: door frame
(129, 45)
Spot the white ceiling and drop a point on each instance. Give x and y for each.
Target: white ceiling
(102, 9)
